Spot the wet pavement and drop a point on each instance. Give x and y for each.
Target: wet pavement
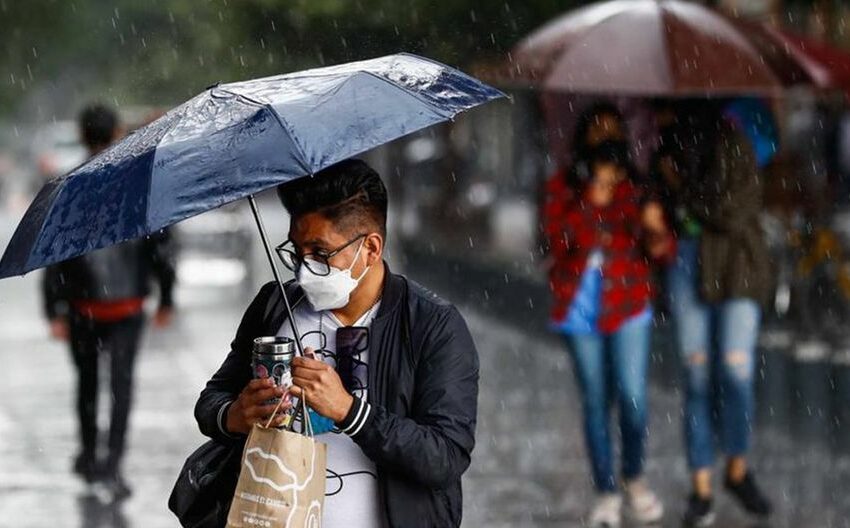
(529, 468)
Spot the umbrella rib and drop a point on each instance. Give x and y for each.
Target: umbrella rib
(285, 124)
(408, 92)
(282, 122)
(446, 67)
(183, 112)
(665, 38)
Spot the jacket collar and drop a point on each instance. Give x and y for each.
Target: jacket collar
(392, 293)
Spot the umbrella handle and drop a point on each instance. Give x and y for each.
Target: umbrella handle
(265, 238)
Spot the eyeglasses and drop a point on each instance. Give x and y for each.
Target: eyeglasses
(316, 263)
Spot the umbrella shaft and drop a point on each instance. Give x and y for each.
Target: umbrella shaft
(265, 238)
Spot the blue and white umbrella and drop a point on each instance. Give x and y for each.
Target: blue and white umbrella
(230, 142)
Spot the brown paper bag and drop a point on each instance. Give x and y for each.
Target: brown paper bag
(282, 481)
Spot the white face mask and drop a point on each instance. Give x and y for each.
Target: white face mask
(332, 291)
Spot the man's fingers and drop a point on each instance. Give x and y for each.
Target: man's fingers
(310, 384)
(298, 389)
(259, 383)
(262, 395)
(262, 412)
(307, 374)
(307, 363)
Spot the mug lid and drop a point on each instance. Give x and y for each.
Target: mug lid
(275, 343)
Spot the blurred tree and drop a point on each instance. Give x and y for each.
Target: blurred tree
(59, 53)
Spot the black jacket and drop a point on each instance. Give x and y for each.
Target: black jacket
(123, 271)
(734, 258)
(418, 425)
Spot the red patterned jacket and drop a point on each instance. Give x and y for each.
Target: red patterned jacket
(573, 227)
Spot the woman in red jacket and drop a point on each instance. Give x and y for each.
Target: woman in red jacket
(601, 237)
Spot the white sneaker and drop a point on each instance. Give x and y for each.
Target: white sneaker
(607, 511)
(642, 505)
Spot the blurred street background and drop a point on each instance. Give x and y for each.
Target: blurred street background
(464, 221)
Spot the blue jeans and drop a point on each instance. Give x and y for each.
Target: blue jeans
(717, 345)
(599, 360)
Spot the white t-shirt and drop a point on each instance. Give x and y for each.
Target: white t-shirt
(351, 496)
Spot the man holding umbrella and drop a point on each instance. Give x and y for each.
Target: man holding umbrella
(404, 406)
(408, 400)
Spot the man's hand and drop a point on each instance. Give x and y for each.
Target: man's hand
(163, 317)
(59, 329)
(250, 407)
(325, 392)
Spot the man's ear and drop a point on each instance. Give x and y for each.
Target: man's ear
(374, 246)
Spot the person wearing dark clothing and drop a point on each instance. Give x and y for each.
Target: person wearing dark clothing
(409, 420)
(716, 287)
(95, 302)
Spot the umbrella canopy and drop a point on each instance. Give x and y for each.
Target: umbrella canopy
(799, 59)
(231, 141)
(754, 117)
(645, 48)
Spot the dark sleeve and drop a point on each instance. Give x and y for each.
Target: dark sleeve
(234, 374)
(161, 252)
(54, 304)
(649, 238)
(732, 193)
(433, 445)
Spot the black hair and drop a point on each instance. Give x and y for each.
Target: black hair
(98, 123)
(349, 194)
(579, 173)
(610, 152)
(699, 123)
(587, 119)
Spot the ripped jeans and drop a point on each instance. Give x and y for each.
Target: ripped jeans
(717, 345)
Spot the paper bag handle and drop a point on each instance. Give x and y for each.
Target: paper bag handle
(307, 429)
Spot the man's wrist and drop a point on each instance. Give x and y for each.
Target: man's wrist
(345, 409)
(223, 414)
(356, 418)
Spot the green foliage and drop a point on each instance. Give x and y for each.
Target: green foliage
(163, 51)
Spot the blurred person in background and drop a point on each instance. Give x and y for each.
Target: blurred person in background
(716, 287)
(601, 235)
(95, 303)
